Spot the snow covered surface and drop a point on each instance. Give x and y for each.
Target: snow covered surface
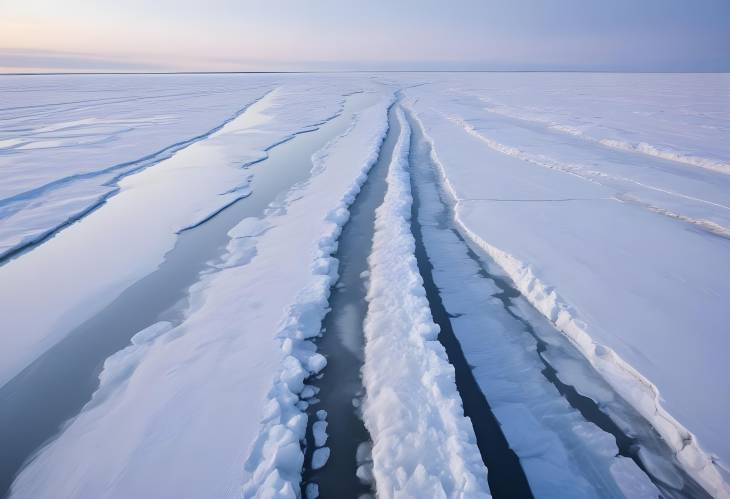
(66, 140)
(682, 117)
(604, 197)
(423, 445)
(561, 453)
(144, 217)
(642, 295)
(185, 412)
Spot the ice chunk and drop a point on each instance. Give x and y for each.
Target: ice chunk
(319, 430)
(320, 457)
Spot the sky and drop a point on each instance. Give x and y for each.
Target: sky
(331, 35)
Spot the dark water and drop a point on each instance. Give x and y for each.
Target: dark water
(506, 477)
(35, 404)
(342, 341)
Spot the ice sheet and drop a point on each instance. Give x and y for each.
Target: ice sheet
(221, 389)
(641, 294)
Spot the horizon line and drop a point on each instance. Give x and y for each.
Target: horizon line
(62, 73)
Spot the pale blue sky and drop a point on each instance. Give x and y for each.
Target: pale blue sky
(234, 35)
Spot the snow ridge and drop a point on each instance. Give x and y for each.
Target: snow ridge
(637, 390)
(276, 459)
(423, 444)
(596, 176)
(636, 148)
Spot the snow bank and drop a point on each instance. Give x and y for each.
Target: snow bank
(211, 404)
(423, 444)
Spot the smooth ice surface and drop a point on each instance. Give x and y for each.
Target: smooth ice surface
(223, 368)
(583, 231)
(423, 446)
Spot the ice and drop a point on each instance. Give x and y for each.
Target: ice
(312, 491)
(641, 294)
(319, 429)
(681, 117)
(307, 392)
(65, 139)
(320, 457)
(365, 473)
(144, 217)
(423, 446)
(222, 367)
(364, 459)
(560, 453)
(604, 198)
(632, 480)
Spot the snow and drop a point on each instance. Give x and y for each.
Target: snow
(642, 295)
(680, 117)
(212, 403)
(423, 446)
(66, 140)
(144, 217)
(605, 198)
(561, 453)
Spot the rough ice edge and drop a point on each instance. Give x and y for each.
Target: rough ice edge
(407, 407)
(276, 458)
(629, 383)
(636, 148)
